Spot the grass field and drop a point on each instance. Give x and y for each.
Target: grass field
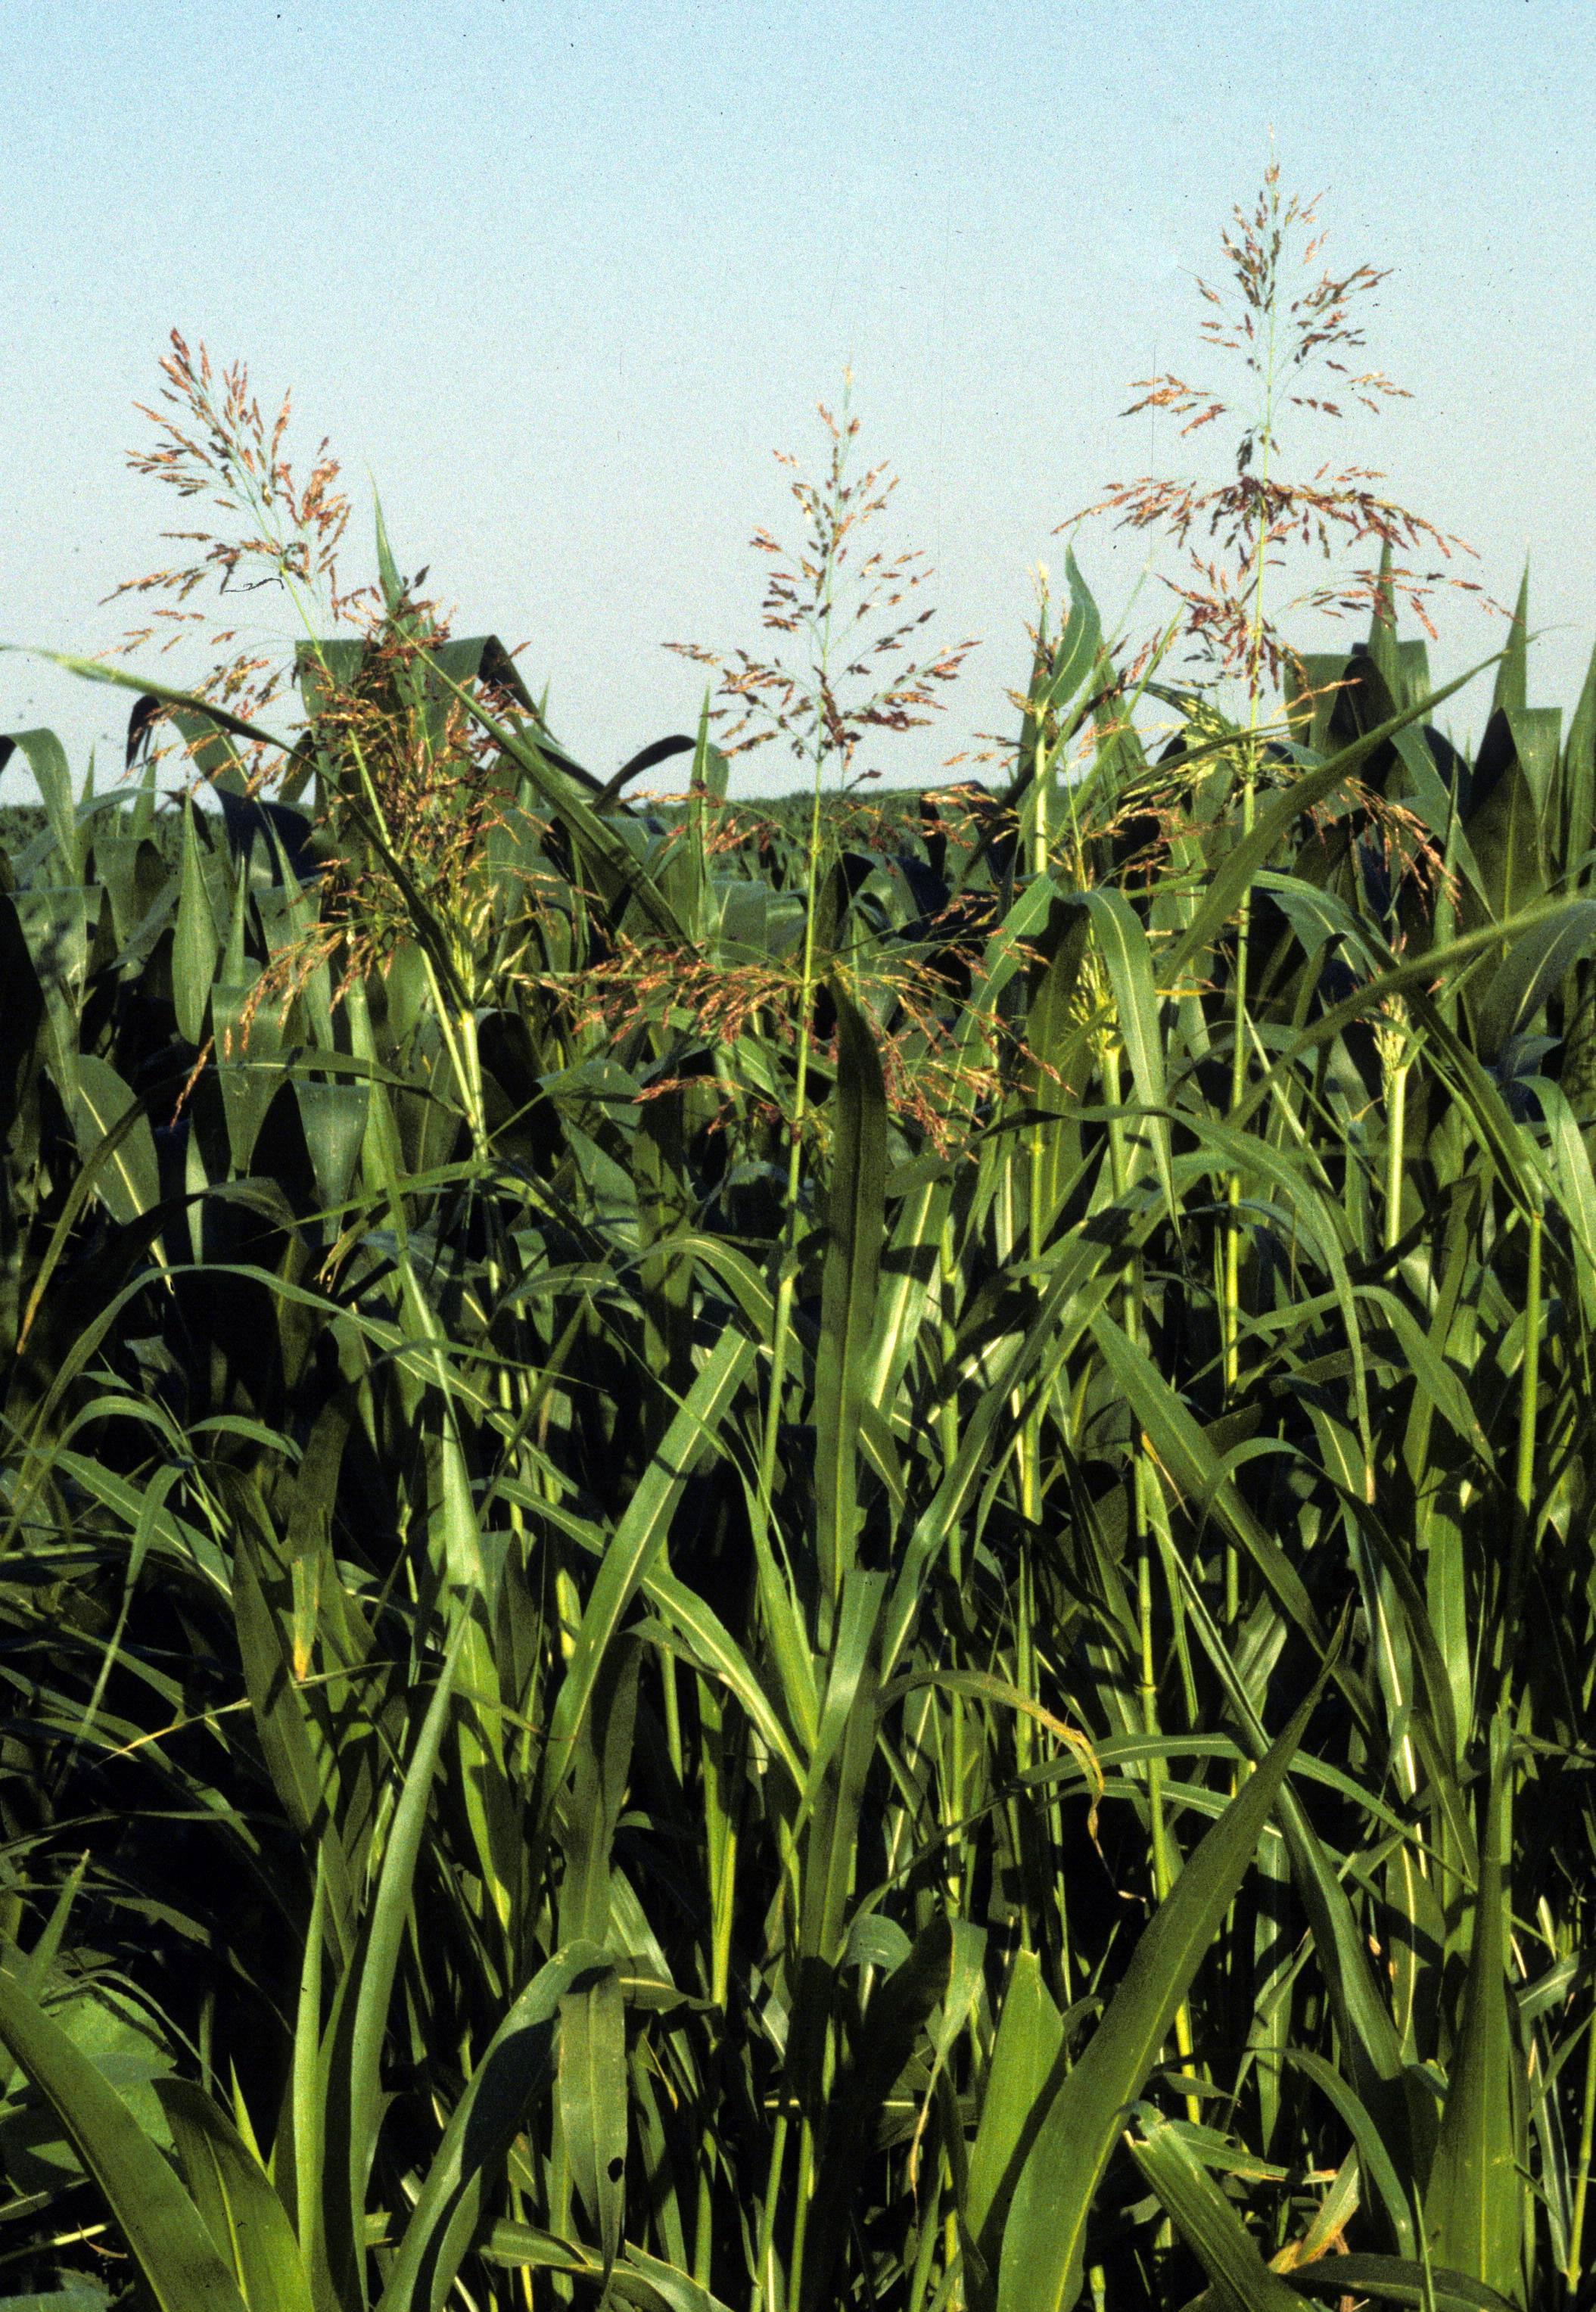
(805, 1556)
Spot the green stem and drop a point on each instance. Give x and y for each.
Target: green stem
(1529, 1373)
(1396, 1133)
(1587, 2140)
(806, 2184)
(787, 1275)
(1523, 1526)
(765, 2297)
(1231, 1315)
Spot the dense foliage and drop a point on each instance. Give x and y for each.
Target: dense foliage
(619, 1682)
(808, 1558)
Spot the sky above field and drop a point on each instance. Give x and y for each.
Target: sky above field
(560, 280)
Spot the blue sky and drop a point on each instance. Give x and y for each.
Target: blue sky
(560, 280)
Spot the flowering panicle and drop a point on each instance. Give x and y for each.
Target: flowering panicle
(213, 440)
(1232, 532)
(852, 616)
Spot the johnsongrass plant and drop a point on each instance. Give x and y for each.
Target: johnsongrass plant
(832, 1557)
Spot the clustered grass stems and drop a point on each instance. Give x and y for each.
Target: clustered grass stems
(1283, 344)
(834, 1555)
(845, 615)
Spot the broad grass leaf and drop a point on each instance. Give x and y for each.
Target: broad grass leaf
(511, 2076)
(158, 2219)
(1537, 734)
(386, 1924)
(56, 922)
(195, 944)
(1371, 2048)
(601, 1773)
(1376, 2159)
(1055, 1039)
(80, 2292)
(1128, 961)
(1273, 822)
(47, 759)
(1078, 645)
(221, 718)
(235, 2197)
(835, 1782)
(1395, 2280)
(595, 839)
(1503, 829)
(1570, 1158)
(713, 1651)
(128, 1176)
(1209, 2224)
(1577, 780)
(1534, 968)
(333, 1117)
(639, 2279)
(100, 1162)
(1014, 2100)
(249, 1065)
(1474, 2209)
(907, 1266)
(939, 1978)
(592, 2093)
(1044, 2238)
(1185, 1452)
(298, 1757)
(629, 1553)
(124, 2045)
(1077, 1285)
